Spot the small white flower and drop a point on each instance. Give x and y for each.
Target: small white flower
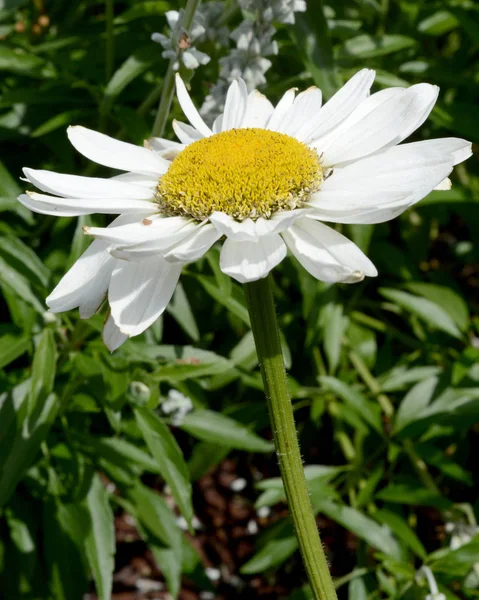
(212, 573)
(176, 406)
(179, 44)
(238, 485)
(265, 178)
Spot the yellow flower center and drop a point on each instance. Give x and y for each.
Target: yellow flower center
(241, 172)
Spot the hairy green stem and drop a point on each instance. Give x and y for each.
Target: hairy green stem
(260, 301)
(169, 81)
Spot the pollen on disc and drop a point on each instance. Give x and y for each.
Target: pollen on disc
(244, 173)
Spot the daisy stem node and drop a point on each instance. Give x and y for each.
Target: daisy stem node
(169, 81)
(260, 302)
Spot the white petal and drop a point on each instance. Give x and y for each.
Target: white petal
(158, 245)
(113, 338)
(235, 105)
(74, 186)
(445, 184)
(139, 292)
(72, 207)
(349, 206)
(426, 98)
(218, 124)
(278, 222)
(186, 133)
(108, 152)
(250, 261)
(369, 104)
(189, 109)
(189, 60)
(161, 145)
(85, 284)
(195, 245)
(137, 179)
(458, 149)
(152, 228)
(386, 125)
(281, 110)
(237, 230)
(172, 17)
(326, 254)
(252, 230)
(414, 168)
(362, 216)
(340, 106)
(258, 110)
(351, 198)
(306, 106)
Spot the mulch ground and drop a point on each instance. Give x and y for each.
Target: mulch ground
(226, 529)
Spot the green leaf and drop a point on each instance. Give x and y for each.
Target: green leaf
(9, 190)
(317, 477)
(153, 513)
(357, 589)
(446, 298)
(280, 547)
(457, 562)
(411, 493)
(24, 259)
(43, 372)
(11, 347)
(400, 527)
(440, 460)
(65, 526)
(311, 34)
(169, 458)
(368, 46)
(439, 23)
(142, 10)
(118, 451)
(370, 412)
(180, 309)
(378, 536)
(136, 64)
(183, 362)
(458, 118)
(216, 428)
(415, 402)
(19, 285)
(335, 324)
(16, 60)
(234, 301)
(400, 377)
(20, 441)
(100, 541)
(61, 120)
(430, 312)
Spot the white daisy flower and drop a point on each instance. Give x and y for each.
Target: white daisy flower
(263, 177)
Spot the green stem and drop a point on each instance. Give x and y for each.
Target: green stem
(110, 39)
(420, 467)
(169, 81)
(165, 101)
(260, 301)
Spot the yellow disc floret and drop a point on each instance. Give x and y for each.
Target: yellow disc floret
(241, 172)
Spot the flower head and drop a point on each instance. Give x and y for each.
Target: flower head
(264, 178)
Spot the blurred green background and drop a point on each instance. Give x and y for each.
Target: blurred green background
(383, 374)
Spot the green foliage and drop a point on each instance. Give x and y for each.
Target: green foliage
(383, 374)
